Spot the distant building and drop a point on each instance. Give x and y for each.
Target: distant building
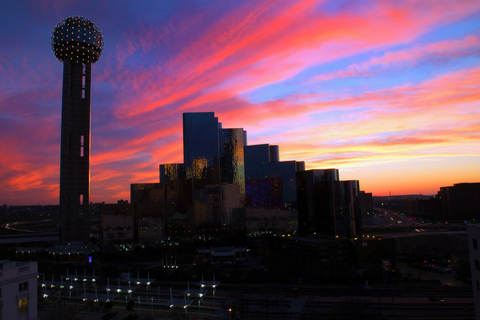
(366, 203)
(224, 185)
(208, 190)
(265, 172)
(270, 220)
(421, 207)
(201, 138)
(460, 201)
(473, 242)
(177, 205)
(327, 206)
(117, 223)
(225, 255)
(316, 213)
(18, 290)
(148, 203)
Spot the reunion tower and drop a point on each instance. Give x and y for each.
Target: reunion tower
(78, 43)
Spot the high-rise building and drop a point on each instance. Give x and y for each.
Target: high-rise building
(315, 198)
(263, 166)
(201, 138)
(224, 183)
(209, 187)
(78, 43)
(148, 202)
(326, 205)
(232, 142)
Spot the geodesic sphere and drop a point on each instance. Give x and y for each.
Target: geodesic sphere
(77, 39)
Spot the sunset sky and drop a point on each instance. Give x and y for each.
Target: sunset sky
(388, 92)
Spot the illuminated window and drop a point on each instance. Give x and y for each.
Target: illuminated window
(23, 306)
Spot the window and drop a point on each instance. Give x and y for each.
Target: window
(23, 305)
(82, 145)
(23, 286)
(475, 244)
(477, 265)
(478, 286)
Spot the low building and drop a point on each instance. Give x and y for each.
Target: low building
(225, 255)
(18, 290)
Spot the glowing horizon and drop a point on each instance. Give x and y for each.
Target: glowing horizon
(387, 92)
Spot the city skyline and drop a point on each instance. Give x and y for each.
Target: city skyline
(386, 92)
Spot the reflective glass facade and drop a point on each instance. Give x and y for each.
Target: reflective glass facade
(207, 190)
(200, 138)
(262, 162)
(178, 204)
(232, 150)
(225, 185)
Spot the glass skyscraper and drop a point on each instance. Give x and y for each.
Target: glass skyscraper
(213, 187)
(201, 138)
(263, 166)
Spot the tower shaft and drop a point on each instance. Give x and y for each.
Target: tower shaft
(75, 152)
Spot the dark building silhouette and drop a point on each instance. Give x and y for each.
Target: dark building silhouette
(201, 138)
(266, 175)
(147, 200)
(460, 201)
(426, 207)
(116, 223)
(78, 43)
(177, 204)
(366, 203)
(326, 205)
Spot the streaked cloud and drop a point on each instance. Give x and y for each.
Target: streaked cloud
(373, 88)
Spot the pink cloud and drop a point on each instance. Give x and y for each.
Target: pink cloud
(243, 50)
(449, 49)
(215, 60)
